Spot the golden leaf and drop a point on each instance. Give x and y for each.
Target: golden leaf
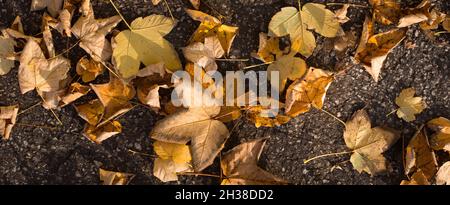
(134, 46)
(418, 178)
(376, 50)
(8, 115)
(259, 116)
(288, 67)
(386, 11)
(172, 158)
(409, 105)
(240, 165)
(228, 113)
(89, 69)
(211, 26)
(269, 48)
(367, 143)
(307, 92)
(115, 178)
(92, 111)
(100, 133)
(420, 156)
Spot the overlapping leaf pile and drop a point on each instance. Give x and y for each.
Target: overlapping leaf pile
(140, 61)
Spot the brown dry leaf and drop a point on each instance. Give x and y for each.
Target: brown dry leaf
(75, 91)
(409, 105)
(64, 96)
(36, 72)
(418, 178)
(288, 67)
(443, 175)
(261, 118)
(343, 43)
(53, 6)
(155, 2)
(269, 48)
(440, 140)
(240, 166)
(386, 11)
(151, 79)
(228, 114)
(92, 32)
(196, 125)
(89, 69)
(205, 54)
(115, 96)
(367, 32)
(172, 158)
(436, 17)
(100, 133)
(367, 143)
(63, 23)
(416, 15)
(446, 23)
(8, 115)
(307, 92)
(341, 14)
(6, 50)
(92, 111)
(376, 50)
(195, 3)
(420, 156)
(211, 26)
(115, 178)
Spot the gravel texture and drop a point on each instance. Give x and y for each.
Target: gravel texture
(39, 155)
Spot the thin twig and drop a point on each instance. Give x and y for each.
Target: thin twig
(37, 126)
(53, 112)
(326, 155)
(392, 112)
(120, 14)
(67, 50)
(441, 32)
(140, 153)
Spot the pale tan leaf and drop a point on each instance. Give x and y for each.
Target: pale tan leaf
(443, 175)
(420, 156)
(6, 50)
(8, 116)
(409, 105)
(114, 178)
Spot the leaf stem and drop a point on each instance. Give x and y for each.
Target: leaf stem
(257, 65)
(336, 118)
(67, 50)
(31, 107)
(441, 32)
(170, 11)
(198, 174)
(141, 153)
(326, 155)
(392, 112)
(352, 5)
(233, 60)
(120, 14)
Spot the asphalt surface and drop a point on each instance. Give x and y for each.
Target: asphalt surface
(43, 155)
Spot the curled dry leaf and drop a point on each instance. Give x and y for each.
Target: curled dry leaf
(288, 67)
(63, 23)
(386, 11)
(418, 178)
(53, 6)
(377, 48)
(420, 156)
(115, 96)
(91, 32)
(151, 79)
(409, 105)
(416, 15)
(367, 143)
(8, 115)
(240, 165)
(443, 175)
(211, 26)
(36, 72)
(89, 69)
(440, 140)
(436, 17)
(6, 51)
(296, 24)
(100, 133)
(205, 54)
(196, 125)
(262, 117)
(172, 158)
(269, 48)
(65, 96)
(115, 178)
(133, 46)
(341, 14)
(92, 111)
(307, 92)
